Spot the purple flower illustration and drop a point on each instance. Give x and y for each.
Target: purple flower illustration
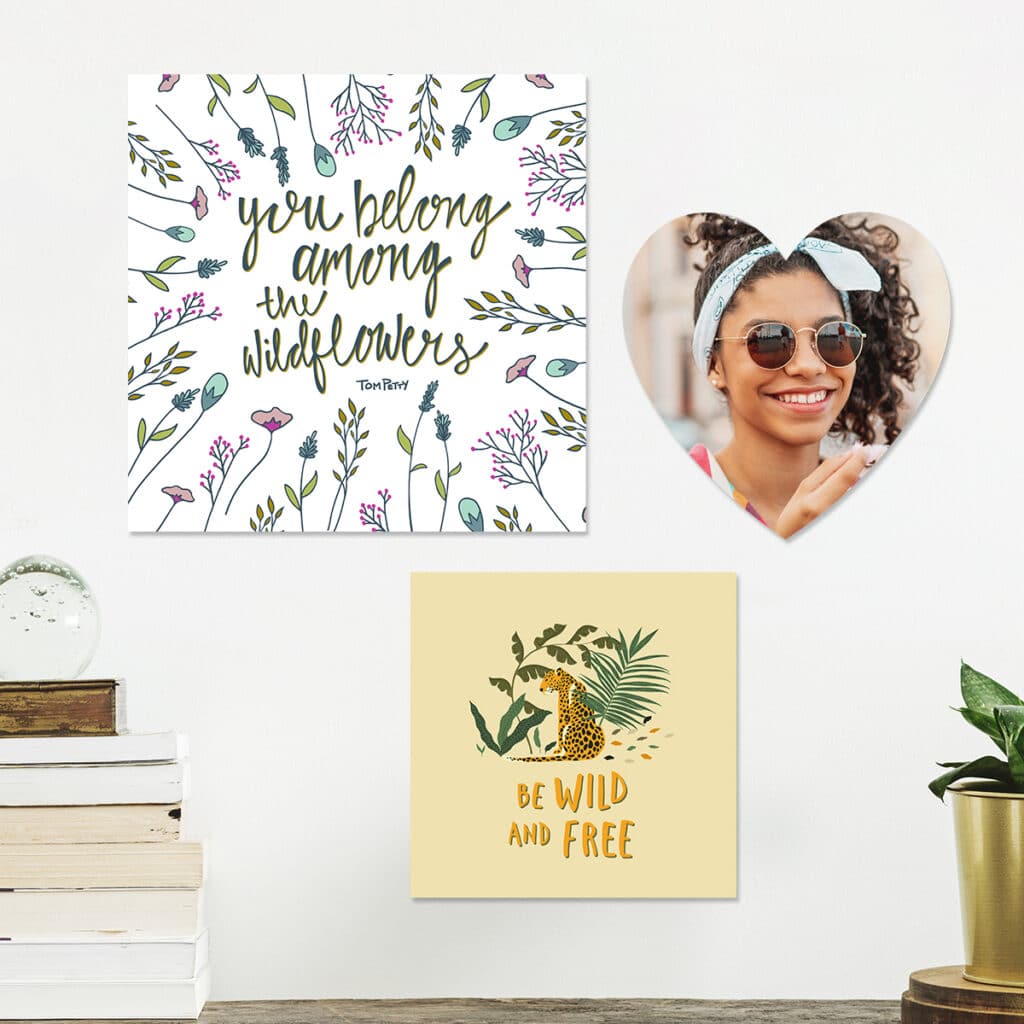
(376, 516)
(516, 456)
(223, 454)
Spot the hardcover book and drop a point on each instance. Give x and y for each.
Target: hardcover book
(62, 707)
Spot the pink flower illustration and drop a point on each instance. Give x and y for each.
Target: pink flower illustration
(167, 83)
(522, 271)
(519, 368)
(273, 420)
(198, 203)
(177, 494)
(541, 81)
(270, 420)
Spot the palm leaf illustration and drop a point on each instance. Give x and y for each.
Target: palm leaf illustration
(622, 688)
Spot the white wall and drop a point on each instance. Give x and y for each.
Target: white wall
(287, 663)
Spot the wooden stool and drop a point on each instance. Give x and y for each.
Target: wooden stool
(941, 995)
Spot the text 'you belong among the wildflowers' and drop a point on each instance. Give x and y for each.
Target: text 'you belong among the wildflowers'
(360, 264)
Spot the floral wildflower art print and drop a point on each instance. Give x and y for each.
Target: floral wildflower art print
(357, 303)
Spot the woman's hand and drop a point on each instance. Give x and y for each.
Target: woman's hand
(818, 492)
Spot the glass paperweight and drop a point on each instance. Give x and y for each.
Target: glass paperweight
(49, 620)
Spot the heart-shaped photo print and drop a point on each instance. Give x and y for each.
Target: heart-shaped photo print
(786, 377)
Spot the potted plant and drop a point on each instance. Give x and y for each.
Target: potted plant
(988, 818)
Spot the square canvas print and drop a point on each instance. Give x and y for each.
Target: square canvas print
(357, 303)
(573, 735)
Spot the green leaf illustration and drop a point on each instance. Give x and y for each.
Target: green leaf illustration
(156, 282)
(162, 435)
(291, 495)
(561, 655)
(419, 465)
(485, 106)
(283, 105)
(310, 486)
(481, 727)
(140, 434)
(502, 684)
(550, 633)
(222, 82)
(439, 484)
(507, 719)
(168, 263)
(211, 106)
(456, 469)
(403, 440)
(574, 233)
(624, 687)
(580, 253)
(518, 651)
(520, 732)
(527, 672)
(252, 88)
(474, 85)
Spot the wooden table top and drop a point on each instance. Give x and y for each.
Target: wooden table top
(552, 1011)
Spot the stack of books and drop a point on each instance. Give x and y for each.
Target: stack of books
(100, 900)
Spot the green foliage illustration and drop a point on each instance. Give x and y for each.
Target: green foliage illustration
(627, 679)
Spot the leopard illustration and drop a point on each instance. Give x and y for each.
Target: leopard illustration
(580, 738)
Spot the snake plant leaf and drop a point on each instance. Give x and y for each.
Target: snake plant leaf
(981, 768)
(981, 693)
(1010, 719)
(986, 724)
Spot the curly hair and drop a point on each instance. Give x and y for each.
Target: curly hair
(886, 316)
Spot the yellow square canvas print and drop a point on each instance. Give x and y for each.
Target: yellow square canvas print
(573, 735)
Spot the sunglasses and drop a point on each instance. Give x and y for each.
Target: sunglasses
(773, 345)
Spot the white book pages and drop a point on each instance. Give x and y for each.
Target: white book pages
(105, 1000)
(124, 749)
(104, 959)
(87, 914)
(59, 785)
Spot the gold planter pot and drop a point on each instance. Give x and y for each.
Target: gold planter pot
(990, 854)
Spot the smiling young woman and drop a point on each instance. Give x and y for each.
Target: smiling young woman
(801, 347)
